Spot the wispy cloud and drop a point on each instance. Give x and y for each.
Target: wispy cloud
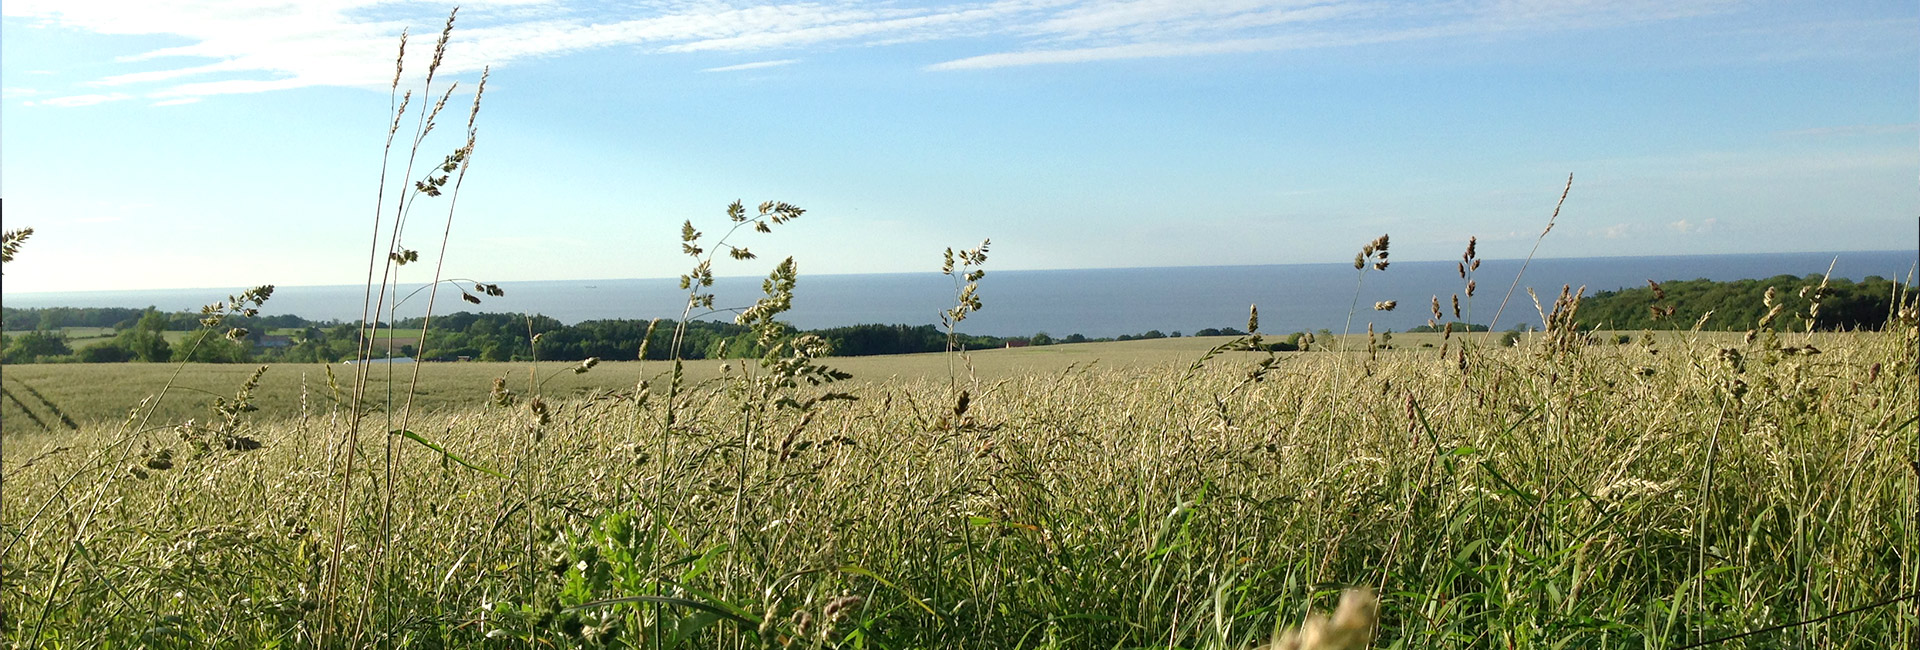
(71, 101)
(1852, 130)
(248, 47)
(1688, 227)
(752, 66)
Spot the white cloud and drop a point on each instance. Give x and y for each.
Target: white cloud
(752, 66)
(1684, 226)
(243, 46)
(1106, 53)
(178, 102)
(71, 101)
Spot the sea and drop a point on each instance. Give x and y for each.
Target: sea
(1091, 302)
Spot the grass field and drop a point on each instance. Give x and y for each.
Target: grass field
(1098, 495)
(82, 337)
(102, 393)
(39, 395)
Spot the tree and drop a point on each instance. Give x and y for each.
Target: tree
(36, 347)
(493, 351)
(109, 352)
(146, 340)
(214, 349)
(1042, 338)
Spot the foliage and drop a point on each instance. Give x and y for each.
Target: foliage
(34, 347)
(1740, 304)
(144, 341)
(1457, 326)
(10, 242)
(1222, 331)
(109, 352)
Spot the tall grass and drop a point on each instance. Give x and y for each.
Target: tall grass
(1560, 498)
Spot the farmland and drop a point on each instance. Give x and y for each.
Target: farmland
(1675, 489)
(101, 393)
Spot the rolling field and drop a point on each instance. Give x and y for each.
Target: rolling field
(1555, 494)
(102, 393)
(38, 395)
(82, 337)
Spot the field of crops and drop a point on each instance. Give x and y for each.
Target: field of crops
(43, 397)
(1567, 492)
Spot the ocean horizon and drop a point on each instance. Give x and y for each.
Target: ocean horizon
(1092, 302)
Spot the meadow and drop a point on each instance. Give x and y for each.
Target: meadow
(1673, 490)
(40, 398)
(85, 337)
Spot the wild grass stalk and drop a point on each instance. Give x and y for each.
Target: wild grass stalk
(381, 308)
(964, 269)
(1494, 324)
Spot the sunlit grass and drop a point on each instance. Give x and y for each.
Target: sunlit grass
(1528, 500)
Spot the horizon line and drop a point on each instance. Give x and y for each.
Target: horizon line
(1044, 270)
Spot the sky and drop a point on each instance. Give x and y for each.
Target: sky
(201, 143)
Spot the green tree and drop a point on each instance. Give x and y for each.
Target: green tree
(215, 349)
(492, 351)
(146, 340)
(109, 352)
(36, 347)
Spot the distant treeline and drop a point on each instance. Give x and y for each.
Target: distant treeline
(137, 336)
(121, 318)
(1456, 325)
(1740, 304)
(34, 335)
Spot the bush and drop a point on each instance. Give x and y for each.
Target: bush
(36, 346)
(111, 352)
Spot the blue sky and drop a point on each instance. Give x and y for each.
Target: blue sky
(212, 144)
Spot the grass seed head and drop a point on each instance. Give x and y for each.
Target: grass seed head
(1350, 628)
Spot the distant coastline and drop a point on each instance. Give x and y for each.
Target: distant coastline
(1094, 302)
